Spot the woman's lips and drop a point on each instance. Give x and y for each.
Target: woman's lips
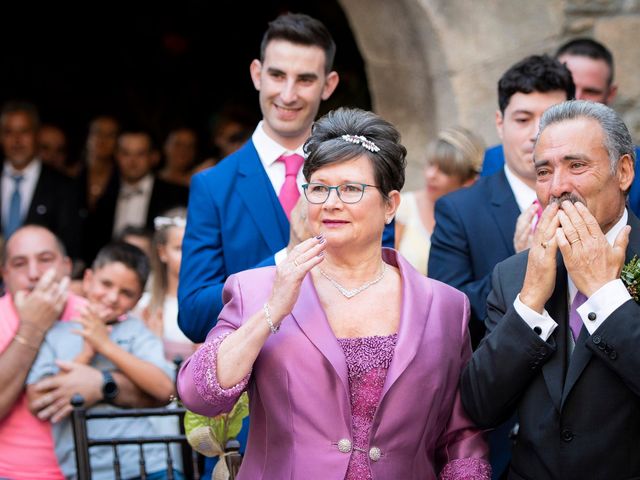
(334, 223)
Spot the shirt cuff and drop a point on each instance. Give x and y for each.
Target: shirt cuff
(603, 303)
(543, 324)
(279, 257)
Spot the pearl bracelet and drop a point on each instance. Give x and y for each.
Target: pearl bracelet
(267, 315)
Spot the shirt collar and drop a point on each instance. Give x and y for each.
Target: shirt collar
(268, 149)
(525, 195)
(143, 185)
(29, 172)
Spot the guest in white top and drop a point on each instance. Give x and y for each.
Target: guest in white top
(454, 160)
(159, 308)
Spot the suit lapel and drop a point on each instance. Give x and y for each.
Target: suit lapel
(413, 319)
(581, 354)
(310, 317)
(554, 370)
(255, 190)
(35, 210)
(504, 208)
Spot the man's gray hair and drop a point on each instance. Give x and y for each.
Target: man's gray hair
(617, 139)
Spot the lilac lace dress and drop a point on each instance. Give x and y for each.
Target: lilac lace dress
(368, 359)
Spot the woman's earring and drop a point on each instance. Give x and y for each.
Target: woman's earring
(388, 220)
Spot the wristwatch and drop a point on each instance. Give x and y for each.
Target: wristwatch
(109, 387)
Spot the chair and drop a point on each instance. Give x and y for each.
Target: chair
(83, 443)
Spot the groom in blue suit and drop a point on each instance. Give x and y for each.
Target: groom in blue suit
(478, 227)
(236, 220)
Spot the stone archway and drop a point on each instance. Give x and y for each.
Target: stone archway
(434, 63)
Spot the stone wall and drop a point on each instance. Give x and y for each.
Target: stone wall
(435, 63)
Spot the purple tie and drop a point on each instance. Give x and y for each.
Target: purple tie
(289, 193)
(575, 322)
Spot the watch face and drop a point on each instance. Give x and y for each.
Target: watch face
(109, 387)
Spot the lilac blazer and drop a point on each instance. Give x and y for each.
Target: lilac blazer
(299, 387)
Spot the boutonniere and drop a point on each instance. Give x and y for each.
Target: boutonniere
(631, 277)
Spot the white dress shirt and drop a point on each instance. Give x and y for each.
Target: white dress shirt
(603, 302)
(133, 204)
(525, 195)
(31, 174)
(269, 151)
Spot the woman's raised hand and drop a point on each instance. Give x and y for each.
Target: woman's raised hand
(290, 273)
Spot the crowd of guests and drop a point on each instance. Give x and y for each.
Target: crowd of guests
(489, 344)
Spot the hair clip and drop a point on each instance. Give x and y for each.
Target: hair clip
(160, 222)
(361, 140)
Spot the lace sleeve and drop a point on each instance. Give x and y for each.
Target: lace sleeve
(466, 469)
(205, 377)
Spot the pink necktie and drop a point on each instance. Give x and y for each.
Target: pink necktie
(575, 322)
(289, 193)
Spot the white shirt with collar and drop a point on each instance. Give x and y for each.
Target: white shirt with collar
(603, 302)
(31, 174)
(269, 151)
(525, 195)
(133, 204)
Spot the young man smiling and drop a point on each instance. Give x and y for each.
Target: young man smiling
(239, 211)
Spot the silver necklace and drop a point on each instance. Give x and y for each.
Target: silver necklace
(349, 293)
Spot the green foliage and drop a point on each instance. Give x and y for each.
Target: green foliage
(221, 428)
(630, 276)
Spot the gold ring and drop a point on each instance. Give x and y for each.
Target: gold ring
(544, 244)
(576, 240)
(295, 262)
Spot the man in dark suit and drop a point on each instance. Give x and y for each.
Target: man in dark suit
(592, 68)
(563, 331)
(135, 197)
(475, 226)
(31, 192)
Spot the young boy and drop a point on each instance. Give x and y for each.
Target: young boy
(107, 337)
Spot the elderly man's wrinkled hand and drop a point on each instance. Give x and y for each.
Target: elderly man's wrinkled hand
(591, 262)
(540, 278)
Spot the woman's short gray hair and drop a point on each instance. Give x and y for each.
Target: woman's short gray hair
(617, 139)
(347, 133)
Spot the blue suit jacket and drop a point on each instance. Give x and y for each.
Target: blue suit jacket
(474, 232)
(235, 222)
(494, 160)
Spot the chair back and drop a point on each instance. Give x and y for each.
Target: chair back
(80, 416)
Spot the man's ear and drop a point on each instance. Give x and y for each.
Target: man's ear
(255, 69)
(625, 172)
(330, 84)
(86, 279)
(611, 94)
(499, 123)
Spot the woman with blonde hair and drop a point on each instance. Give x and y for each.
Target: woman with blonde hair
(454, 160)
(159, 308)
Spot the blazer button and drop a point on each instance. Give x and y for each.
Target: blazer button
(596, 339)
(344, 445)
(613, 355)
(567, 435)
(375, 454)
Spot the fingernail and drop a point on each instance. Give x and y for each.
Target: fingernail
(320, 237)
(321, 254)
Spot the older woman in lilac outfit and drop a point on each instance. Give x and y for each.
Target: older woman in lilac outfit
(351, 358)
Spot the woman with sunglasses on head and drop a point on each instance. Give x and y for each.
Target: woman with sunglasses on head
(351, 357)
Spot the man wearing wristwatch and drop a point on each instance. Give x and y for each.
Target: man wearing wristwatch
(34, 268)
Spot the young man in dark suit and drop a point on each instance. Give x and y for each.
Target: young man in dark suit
(563, 330)
(136, 196)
